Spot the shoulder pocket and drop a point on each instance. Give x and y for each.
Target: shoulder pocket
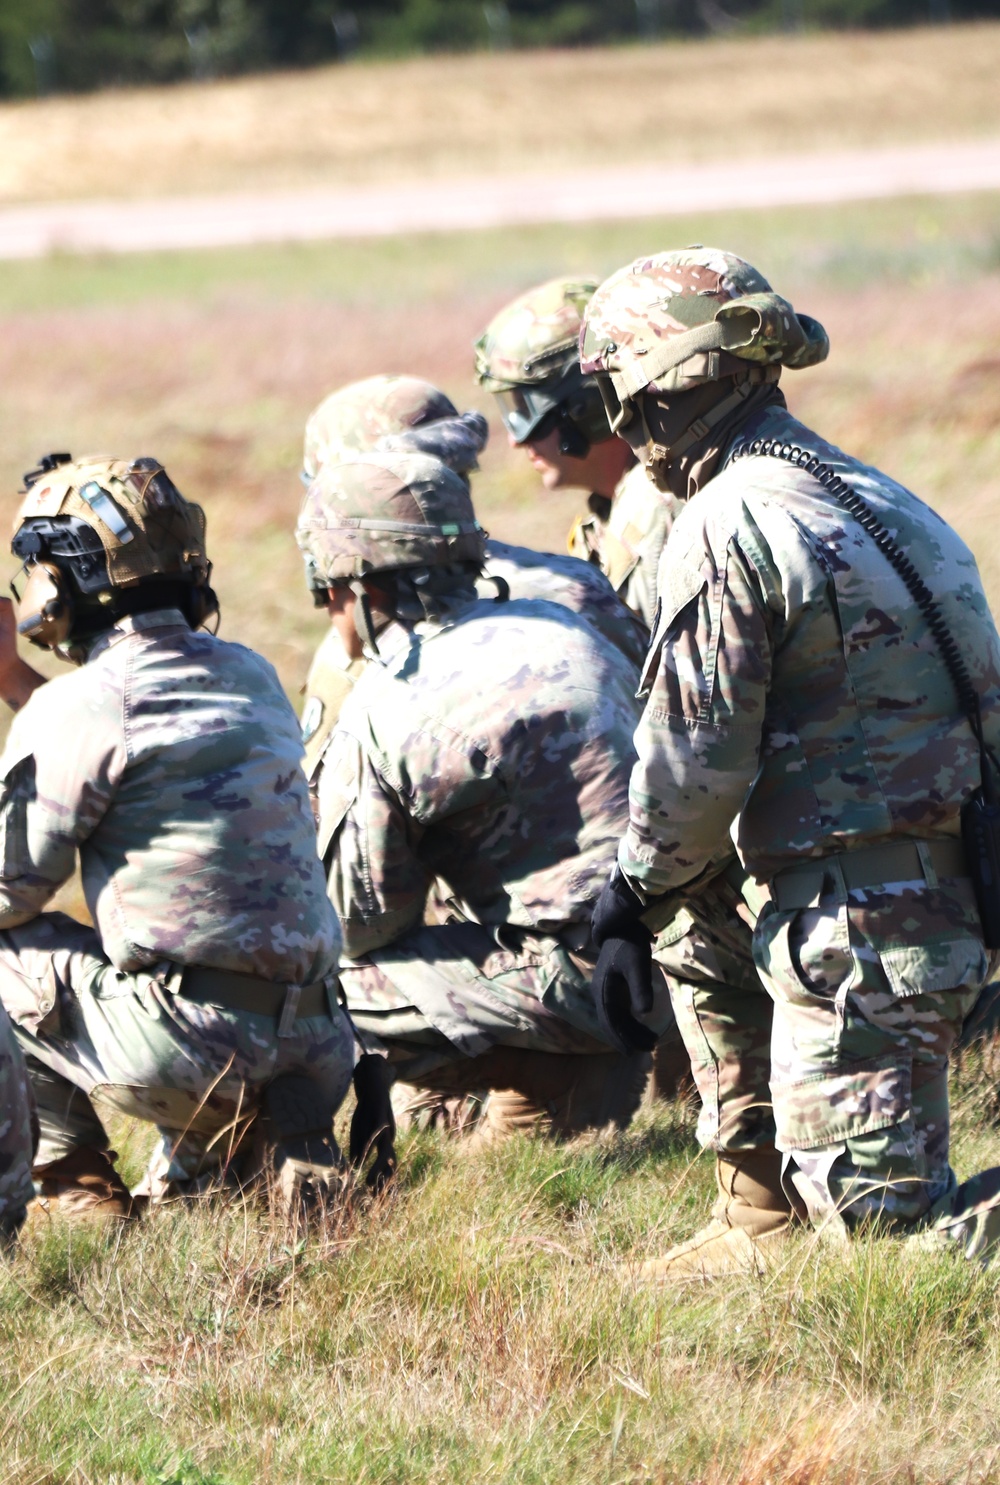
(678, 585)
(337, 789)
(17, 790)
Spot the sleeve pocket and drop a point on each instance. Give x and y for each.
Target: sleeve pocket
(17, 790)
(682, 586)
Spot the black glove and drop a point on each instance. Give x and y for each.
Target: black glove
(622, 985)
(373, 1126)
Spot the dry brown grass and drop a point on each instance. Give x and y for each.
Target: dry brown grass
(383, 121)
(220, 390)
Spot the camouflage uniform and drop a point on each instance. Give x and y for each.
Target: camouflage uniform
(183, 797)
(626, 540)
(792, 679)
(487, 747)
(18, 1132)
(169, 764)
(399, 414)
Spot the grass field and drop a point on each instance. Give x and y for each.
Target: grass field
(379, 121)
(478, 1325)
(481, 1325)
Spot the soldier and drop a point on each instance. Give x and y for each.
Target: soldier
(405, 414)
(486, 743)
(528, 358)
(169, 763)
(795, 680)
(18, 1134)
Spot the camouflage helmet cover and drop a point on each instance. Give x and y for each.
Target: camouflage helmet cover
(356, 418)
(661, 323)
(144, 524)
(387, 511)
(535, 338)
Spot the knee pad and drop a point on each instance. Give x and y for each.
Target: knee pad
(298, 1133)
(299, 1119)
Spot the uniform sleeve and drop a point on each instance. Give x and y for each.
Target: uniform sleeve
(369, 846)
(58, 774)
(707, 677)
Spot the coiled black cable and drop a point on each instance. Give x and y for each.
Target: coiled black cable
(858, 507)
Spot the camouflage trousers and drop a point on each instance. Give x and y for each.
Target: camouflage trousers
(18, 1131)
(133, 1043)
(443, 1000)
(870, 989)
(723, 1015)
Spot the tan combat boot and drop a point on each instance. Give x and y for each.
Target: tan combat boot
(562, 1095)
(671, 1070)
(81, 1187)
(505, 1113)
(309, 1174)
(750, 1221)
(427, 1108)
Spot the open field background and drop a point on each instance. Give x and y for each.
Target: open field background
(477, 1326)
(213, 361)
(384, 121)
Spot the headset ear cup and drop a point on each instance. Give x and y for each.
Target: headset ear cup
(45, 608)
(201, 605)
(573, 442)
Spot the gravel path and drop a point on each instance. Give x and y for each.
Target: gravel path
(447, 205)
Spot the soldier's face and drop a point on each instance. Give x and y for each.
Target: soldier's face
(599, 470)
(558, 471)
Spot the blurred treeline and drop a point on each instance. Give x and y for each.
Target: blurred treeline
(70, 45)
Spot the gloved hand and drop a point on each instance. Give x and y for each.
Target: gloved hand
(622, 985)
(373, 1125)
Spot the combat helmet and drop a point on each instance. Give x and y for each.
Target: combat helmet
(99, 538)
(406, 520)
(395, 413)
(677, 320)
(528, 358)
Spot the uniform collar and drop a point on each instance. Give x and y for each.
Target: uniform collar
(157, 618)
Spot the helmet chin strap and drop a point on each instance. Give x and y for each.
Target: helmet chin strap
(363, 616)
(661, 456)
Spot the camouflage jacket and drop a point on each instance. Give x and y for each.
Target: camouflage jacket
(627, 545)
(565, 580)
(792, 680)
(171, 762)
(492, 752)
(575, 585)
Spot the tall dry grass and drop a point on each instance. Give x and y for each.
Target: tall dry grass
(537, 111)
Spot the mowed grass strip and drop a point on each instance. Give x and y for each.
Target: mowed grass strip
(533, 111)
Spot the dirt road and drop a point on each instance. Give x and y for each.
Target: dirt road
(445, 206)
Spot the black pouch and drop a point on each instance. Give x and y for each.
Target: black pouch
(981, 836)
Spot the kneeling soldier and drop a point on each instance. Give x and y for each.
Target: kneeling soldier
(170, 763)
(486, 745)
(826, 668)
